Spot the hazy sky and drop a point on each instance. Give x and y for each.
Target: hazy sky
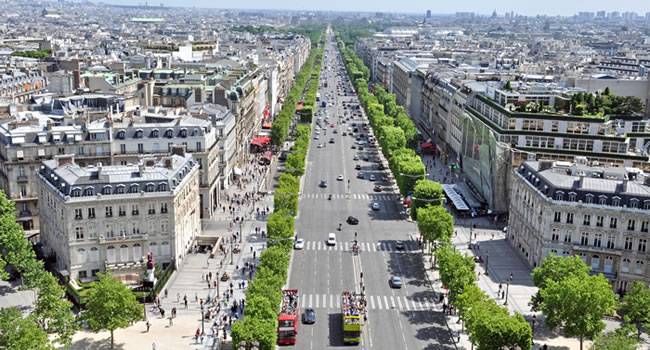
(526, 7)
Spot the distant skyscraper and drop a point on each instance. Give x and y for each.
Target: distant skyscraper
(428, 13)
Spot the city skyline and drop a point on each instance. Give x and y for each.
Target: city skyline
(552, 8)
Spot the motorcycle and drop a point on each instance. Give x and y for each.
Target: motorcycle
(329, 197)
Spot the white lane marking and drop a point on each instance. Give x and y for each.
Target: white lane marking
(310, 301)
(331, 301)
(317, 299)
(325, 301)
(392, 302)
(399, 303)
(380, 307)
(302, 303)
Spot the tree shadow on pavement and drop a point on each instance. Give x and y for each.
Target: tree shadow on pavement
(95, 344)
(434, 330)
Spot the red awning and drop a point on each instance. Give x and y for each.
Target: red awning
(428, 145)
(260, 141)
(267, 125)
(267, 155)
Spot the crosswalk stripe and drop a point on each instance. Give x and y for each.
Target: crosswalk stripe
(324, 301)
(406, 304)
(331, 301)
(399, 303)
(418, 306)
(392, 302)
(372, 302)
(386, 301)
(317, 299)
(302, 303)
(310, 304)
(319, 242)
(413, 304)
(337, 303)
(379, 303)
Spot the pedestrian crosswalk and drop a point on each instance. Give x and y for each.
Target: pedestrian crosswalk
(375, 302)
(370, 196)
(409, 246)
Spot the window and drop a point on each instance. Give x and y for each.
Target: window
(78, 214)
(616, 201)
(625, 265)
(612, 222)
(119, 189)
(123, 148)
(121, 210)
(106, 190)
(135, 228)
(644, 226)
(81, 257)
(567, 237)
(569, 218)
(134, 209)
(109, 212)
(558, 216)
(121, 134)
(572, 196)
(629, 241)
(555, 236)
(162, 187)
(83, 274)
(595, 262)
(183, 132)
(642, 245)
(634, 203)
(94, 272)
(123, 230)
(611, 241)
(169, 133)
(164, 226)
(140, 148)
(152, 208)
(587, 220)
(149, 188)
(609, 263)
(138, 134)
(198, 146)
(92, 233)
(559, 195)
(602, 199)
(589, 198)
(91, 213)
(584, 240)
(639, 267)
(598, 237)
(154, 133)
(21, 172)
(79, 233)
(583, 256)
(109, 231)
(163, 208)
(133, 188)
(89, 191)
(599, 221)
(646, 204)
(630, 225)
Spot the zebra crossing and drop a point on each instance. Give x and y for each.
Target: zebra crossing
(409, 246)
(375, 302)
(371, 196)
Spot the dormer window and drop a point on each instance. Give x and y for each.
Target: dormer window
(602, 199)
(183, 132)
(646, 204)
(162, 187)
(634, 203)
(76, 192)
(154, 133)
(106, 190)
(559, 195)
(121, 135)
(119, 189)
(138, 134)
(616, 201)
(589, 198)
(134, 188)
(572, 196)
(149, 188)
(169, 133)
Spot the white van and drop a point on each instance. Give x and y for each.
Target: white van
(331, 239)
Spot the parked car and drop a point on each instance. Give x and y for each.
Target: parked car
(395, 282)
(352, 220)
(299, 244)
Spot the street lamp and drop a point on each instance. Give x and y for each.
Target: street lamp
(508, 288)
(487, 257)
(534, 319)
(241, 233)
(202, 319)
(231, 252)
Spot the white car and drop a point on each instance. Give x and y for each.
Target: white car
(316, 137)
(331, 239)
(375, 206)
(320, 145)
(339, 178)
(299, 244)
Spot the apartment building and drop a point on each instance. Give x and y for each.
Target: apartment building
(107, 218)
(19, 86)
(599, 213)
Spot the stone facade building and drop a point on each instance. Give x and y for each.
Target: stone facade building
(107, 218)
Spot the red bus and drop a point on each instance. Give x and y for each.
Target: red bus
(288, 318)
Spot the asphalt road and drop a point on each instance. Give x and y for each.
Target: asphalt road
(397, 318)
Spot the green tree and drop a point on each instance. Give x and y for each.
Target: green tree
(618, 339)
(21, 333)
(457, 271)
(276, 260)
(289, 182)
(435, 223)
(391, 138)
(492, 327)
(252, 329)
(556, 268)
(286, 199)
(51, 306)
(425, 192)
(295, 164)
(471, 295)
(111, 305)
(636, 305)
(578, 304)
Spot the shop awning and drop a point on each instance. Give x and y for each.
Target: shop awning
(428, 145)
(456, 199)
(260, 141)
(267, 125)
(268, 155)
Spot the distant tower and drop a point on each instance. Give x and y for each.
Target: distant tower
(494, 13)
(428, 13)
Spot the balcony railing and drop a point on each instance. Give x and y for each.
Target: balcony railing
(125, 238)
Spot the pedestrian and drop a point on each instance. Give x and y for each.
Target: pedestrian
(254, 254)
(251, 249)
(210, 275)
(173, 312)
(171, 321)
(458, 336)
(202, 276)
(153, 346)
(243, 284)
(178, 297)
(196, 297)
(148, 326)
(208, 284)
(185, 303)
(165, 292)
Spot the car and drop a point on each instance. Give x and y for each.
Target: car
(372, 178)
(323, 183)
(299, 244)
(395, 282)
(357, 167)
(309, 316)
(336, 131)
(352, 220)
(353, 147)
(316, 137)
(384, 178)
(365, 158)
(377, 188)
(320, 145)
(355, 157)
(478, 258)
(332, 140)
(283, 155)
(375, 206)
(360, 148)
(360, 175)
(339, 178)
(317, 132)
(399, 245)
(332, 125)
(381, 166)
(331, 239)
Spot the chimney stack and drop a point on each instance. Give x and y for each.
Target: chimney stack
(178, 150)
(64, 159)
